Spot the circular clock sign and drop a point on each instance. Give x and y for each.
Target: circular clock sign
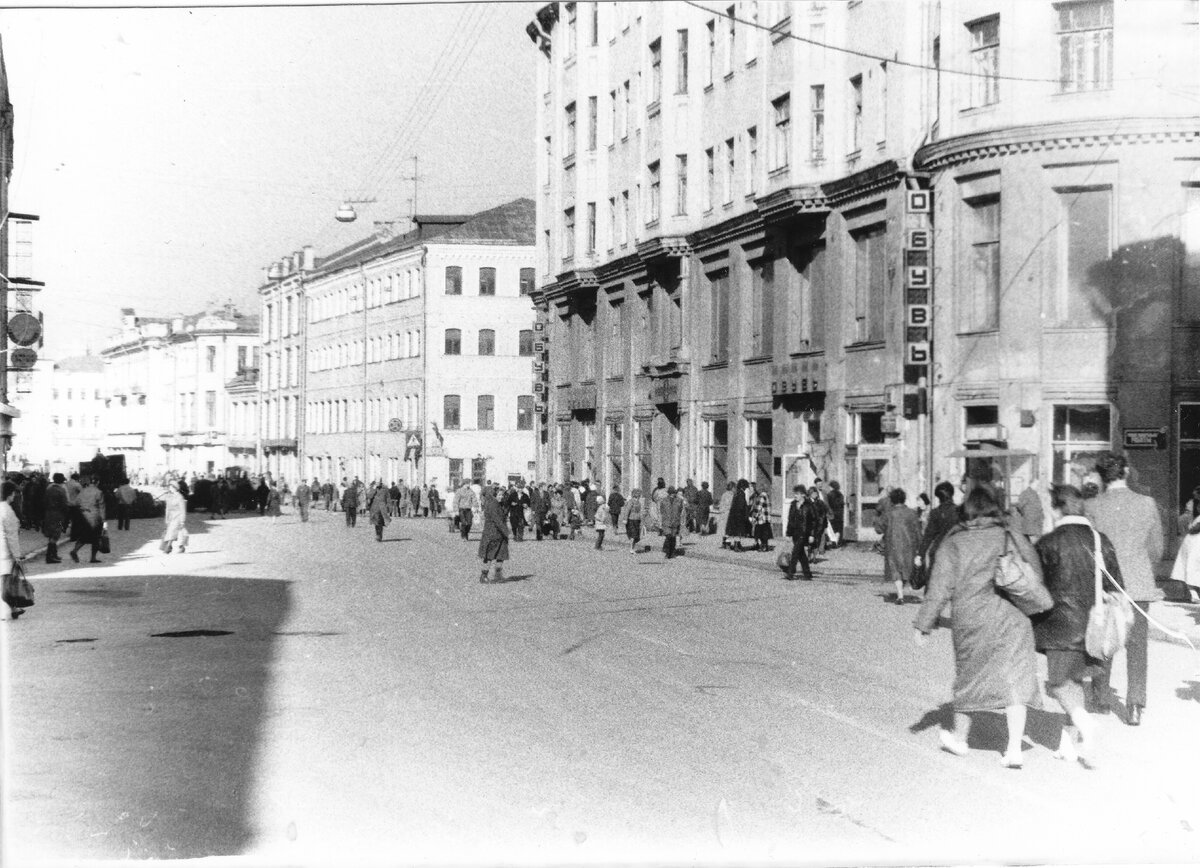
(22, 359)
(24, 329)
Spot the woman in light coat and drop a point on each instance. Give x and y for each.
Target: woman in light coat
(175, 518)
(1187, 561)
(995, 660)
(10, 542)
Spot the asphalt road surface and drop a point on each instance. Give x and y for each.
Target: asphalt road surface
(299, 693)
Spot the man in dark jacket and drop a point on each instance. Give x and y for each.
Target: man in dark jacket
(350, 504)
(54, 517)
(801, 525)
(616, 503)
(1068, 569)
(836, 501)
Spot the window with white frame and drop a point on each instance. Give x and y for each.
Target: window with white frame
(856, 113)
(1189, 235)
(681, 180)
(710, 65)
(1085, 45)
(981, 298)
(593, 122)
(781, 109)
(730, 39)
(751, 160)
(655, 71)
(1081, 433)
(569, 233)
(760, 452)
(985, 61)
(1084, 246)
(816, 132)
(730, 170)
(681, 61)
(710, 180)
(655, 189)
(569, 127)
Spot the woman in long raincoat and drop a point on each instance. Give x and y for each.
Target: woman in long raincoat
(995, 661)
(493, 545)
(378, 511)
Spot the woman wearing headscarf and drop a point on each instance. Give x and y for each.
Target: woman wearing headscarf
(760, 519)
(995, 661)
(632, 515)
(493, 544)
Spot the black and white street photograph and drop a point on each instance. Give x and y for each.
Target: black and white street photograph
(666, 433)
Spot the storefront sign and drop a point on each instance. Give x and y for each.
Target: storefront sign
(918, 285)
(1145, 438)
(798, 377)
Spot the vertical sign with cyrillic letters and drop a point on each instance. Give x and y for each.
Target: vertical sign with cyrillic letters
(918, 285)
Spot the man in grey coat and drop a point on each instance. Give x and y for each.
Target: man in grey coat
(1132, 522)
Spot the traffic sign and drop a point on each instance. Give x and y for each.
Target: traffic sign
(22, 359)
(24, 329)
(414, 441)
(395, 425)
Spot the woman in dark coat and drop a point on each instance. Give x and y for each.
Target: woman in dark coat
(55, 517)
(942, 520)
(1068, 568)
(994, 658)
(493, 545)
(737, 525)
(274, 501)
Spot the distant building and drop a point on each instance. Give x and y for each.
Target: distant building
(884, 243)
(431, 380)
(166, 390)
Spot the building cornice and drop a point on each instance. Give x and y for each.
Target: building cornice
(865, 183)
(615, 269)
(740, 226)
(791, 202)
(663, 248)
(1054, 136)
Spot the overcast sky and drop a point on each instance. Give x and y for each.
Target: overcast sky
(173, 153)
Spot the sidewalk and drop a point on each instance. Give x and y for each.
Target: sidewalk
(860, 560)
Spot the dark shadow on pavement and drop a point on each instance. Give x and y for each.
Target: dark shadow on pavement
(507, 579)
(130, 745)
(1191, 691)
(942, 716)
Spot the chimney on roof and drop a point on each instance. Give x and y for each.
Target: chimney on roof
(297, 261)
(310, 257)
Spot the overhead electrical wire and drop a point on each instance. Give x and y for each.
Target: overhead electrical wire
(891, 61)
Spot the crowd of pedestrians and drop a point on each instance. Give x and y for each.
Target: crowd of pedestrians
(1105, 539)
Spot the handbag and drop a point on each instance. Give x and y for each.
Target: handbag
(102, 544)
(1110, 617)
(1020, 581)
(783, 560)
(17, 592)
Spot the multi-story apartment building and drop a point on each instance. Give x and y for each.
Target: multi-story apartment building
(878, 242)
(414, 355)
(167, 404)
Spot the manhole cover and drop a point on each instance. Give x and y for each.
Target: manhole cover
(188, 634)
(71, 641)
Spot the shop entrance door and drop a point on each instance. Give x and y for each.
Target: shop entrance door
(866, 470)
(1188, 445)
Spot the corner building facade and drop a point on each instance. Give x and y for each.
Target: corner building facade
(809, 239)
